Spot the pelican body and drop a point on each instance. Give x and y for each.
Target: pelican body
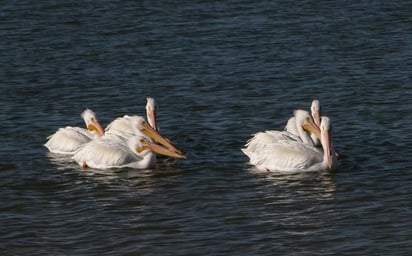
(69, 139)
(108, 153)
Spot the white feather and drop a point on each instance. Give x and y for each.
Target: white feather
(119, 152)
(283, 151)
(287, 156)
(120, 124)
(68, 140)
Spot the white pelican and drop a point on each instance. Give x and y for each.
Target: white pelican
(118, 150)
(283, 153)
(69, 139)
(291, 125)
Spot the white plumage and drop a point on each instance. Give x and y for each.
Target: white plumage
(120, 125)
(261, 139)
(287, 156)
(292, 127)
(132, 148)
(128, 141)
(69, 139)
(283, 151)
(108, 153)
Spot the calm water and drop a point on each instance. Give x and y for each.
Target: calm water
(220, 71)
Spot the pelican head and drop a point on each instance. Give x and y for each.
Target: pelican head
(301, 116)
(142, 128)
(326, 140)
(315, 109)
(151, 112)
(91, 122)
(303, 119)
(308, 124)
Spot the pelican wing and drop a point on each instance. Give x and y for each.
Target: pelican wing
(264, 139)
(287, 156)
(104, 154)
(120, 124)
(68, 140)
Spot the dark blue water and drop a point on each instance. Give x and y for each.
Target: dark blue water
(220, 71)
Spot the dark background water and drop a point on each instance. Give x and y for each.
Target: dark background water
(220, 71)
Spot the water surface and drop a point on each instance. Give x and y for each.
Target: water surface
(219, 71)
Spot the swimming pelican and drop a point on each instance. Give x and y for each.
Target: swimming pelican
(118, 150)
(315, 111)
(290, 156)
(69, 139)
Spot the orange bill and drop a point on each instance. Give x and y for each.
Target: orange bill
(310, 126)
(160, 150)
(152, 133)
(95, 126)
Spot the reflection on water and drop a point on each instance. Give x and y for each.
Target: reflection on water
(60, 161)
(308, 185)
(144, 181)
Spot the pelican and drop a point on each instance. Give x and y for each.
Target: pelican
(291, 156)
(121, 149)
(69, 139)
(315, 111)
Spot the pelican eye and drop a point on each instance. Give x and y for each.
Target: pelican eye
(143, 141)
(143, 125)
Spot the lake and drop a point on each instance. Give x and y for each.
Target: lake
(219, 71)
